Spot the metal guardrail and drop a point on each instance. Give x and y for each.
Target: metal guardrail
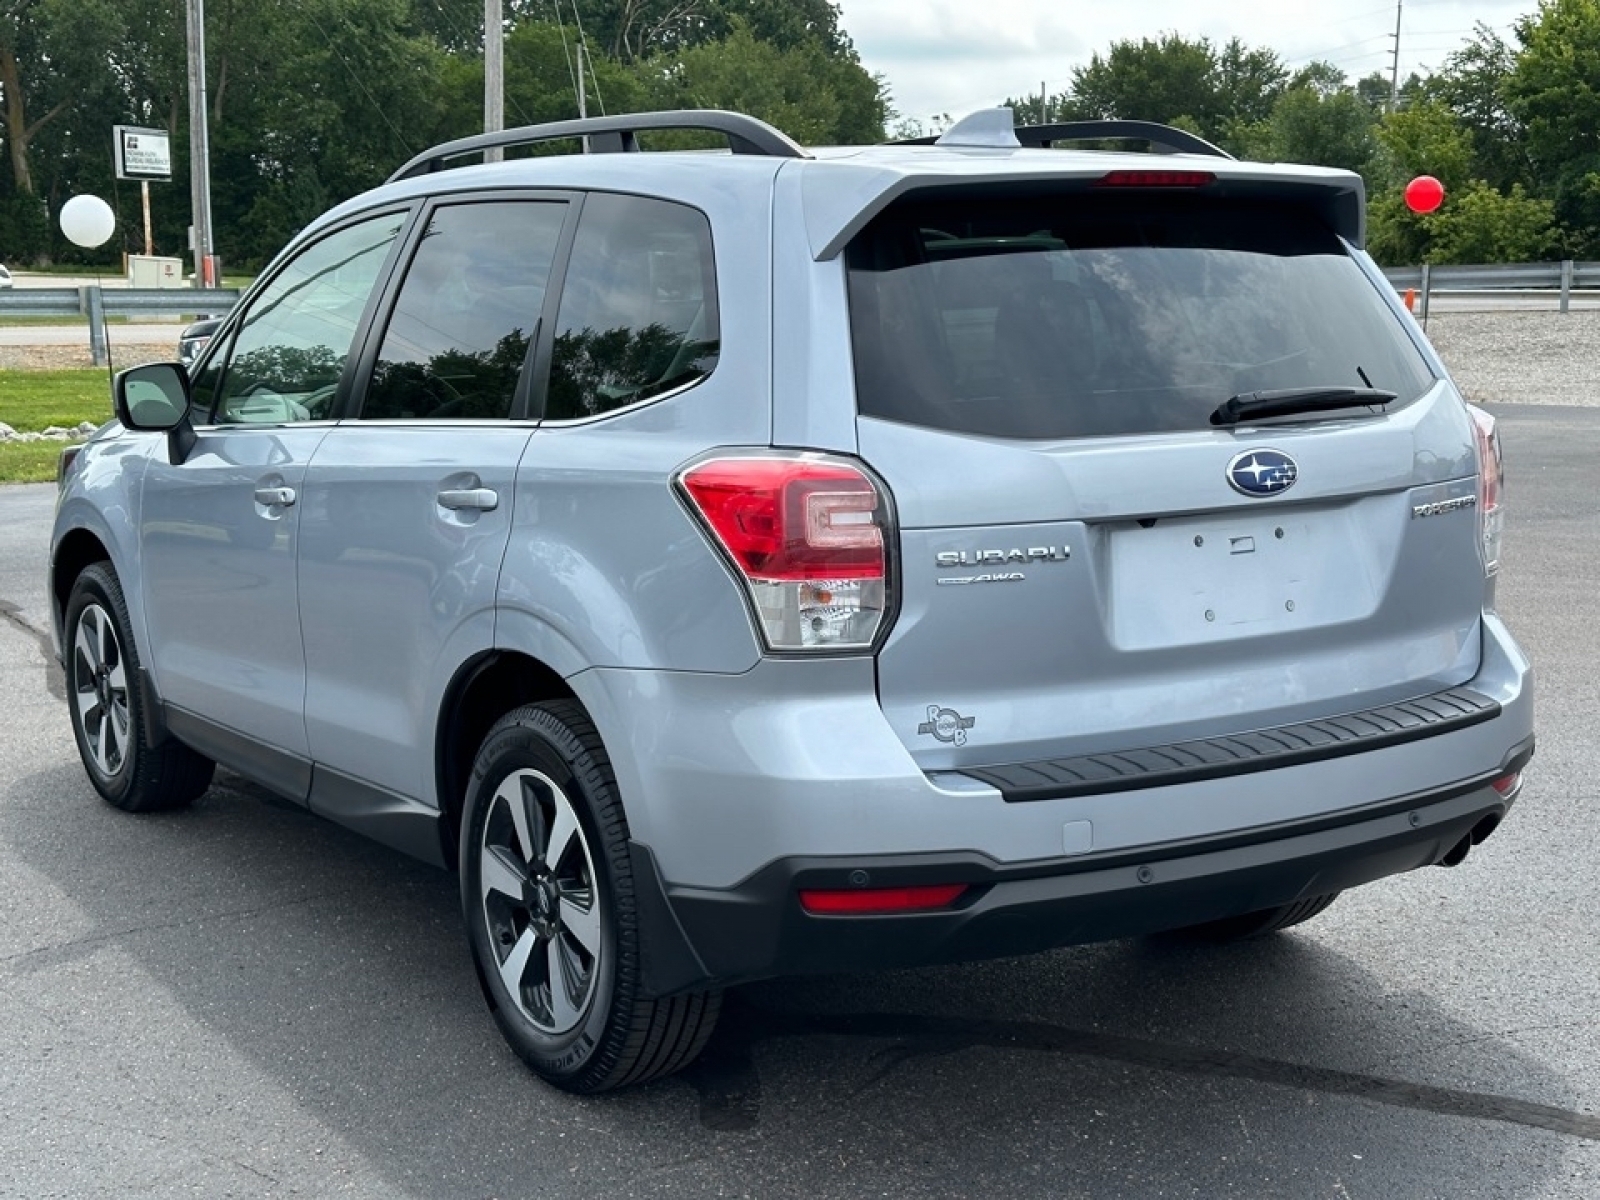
(1561, 278)
(96, 303)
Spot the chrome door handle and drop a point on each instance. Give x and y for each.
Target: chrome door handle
(482, 499)
(275, 496)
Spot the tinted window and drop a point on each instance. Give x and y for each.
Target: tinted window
(1085, 315)
(638, 309)
(290, 348)
(467, 313)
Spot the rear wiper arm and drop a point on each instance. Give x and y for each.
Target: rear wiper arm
(1288, 401)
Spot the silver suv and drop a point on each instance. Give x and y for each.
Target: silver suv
(778, 561)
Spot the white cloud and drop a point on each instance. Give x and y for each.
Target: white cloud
(958, 55)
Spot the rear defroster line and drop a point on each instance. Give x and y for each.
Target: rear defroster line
(729, 1086)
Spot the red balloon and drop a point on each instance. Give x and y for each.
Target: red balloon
(1424, 194)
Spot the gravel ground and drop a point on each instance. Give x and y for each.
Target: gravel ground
(1522, 357)
(49, 358)
(1496, 358)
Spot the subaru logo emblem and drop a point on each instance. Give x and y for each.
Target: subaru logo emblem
(1262, 472)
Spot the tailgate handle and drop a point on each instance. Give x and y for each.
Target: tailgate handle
(275, 496)
(481, 499)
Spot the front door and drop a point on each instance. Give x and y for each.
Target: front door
(219, 532)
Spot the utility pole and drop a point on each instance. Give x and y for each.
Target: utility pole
(200, 149)
(583, 90)
(494, 77)
(583, 95)
(1394, 71)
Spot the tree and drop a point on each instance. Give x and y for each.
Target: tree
(53, 59)
(1171, 78)
(1551, 91)
(339, 94)
(1425, 139)
(1149, 81)
(810, 96)
(1483, 226)
(633, 30)
(1327, 125)
(1473, 84)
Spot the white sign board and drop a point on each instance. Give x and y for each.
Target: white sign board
(142, 153)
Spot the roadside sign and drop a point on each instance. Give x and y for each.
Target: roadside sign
(142, 153)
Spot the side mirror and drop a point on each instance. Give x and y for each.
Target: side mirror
(154, 398)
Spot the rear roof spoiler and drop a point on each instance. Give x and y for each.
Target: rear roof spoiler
(992, 127)
(838, 207)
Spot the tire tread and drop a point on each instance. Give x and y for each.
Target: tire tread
(164, 776)
(646, 1038)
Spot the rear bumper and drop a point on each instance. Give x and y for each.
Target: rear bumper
(700, 937)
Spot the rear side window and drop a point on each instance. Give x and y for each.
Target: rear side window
(1099, 314)
(639, 307)
(466, 314)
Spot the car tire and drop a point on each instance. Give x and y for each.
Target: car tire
(107, 707)
(1258, 924)
(547, 890)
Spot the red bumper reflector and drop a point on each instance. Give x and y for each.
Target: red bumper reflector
(1507, 784)
(881, 900)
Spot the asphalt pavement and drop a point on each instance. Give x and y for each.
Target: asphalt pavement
(240, 1000)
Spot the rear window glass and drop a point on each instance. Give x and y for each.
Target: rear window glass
(1086, 315)
(639, 309)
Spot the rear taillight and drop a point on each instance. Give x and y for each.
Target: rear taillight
(808, 535)
(1491, 513)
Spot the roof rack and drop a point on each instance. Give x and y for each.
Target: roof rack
(615, 135)
(1163, 138)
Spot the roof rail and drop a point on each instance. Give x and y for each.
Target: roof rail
(1161, 137)
(615, 135)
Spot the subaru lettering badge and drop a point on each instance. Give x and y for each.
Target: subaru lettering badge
(1262, 472)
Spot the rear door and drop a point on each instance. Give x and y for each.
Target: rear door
(408, 506)
(1089, 562)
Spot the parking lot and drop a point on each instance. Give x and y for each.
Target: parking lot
(241, 1000)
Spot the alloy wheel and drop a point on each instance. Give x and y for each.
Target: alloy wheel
(540, 900)
(100, 690)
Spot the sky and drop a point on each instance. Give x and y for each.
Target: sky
(954, 56)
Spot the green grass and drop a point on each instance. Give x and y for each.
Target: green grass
(29, 462)
(32, 401)
(35, 400)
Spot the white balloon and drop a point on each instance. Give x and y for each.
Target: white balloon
(88, 221)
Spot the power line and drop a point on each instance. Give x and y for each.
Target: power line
(583, 41)
(400, 137)
(458, 28)
(565, 52)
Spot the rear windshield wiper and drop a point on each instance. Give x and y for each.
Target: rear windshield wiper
(1288, 401)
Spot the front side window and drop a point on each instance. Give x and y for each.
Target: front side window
(638, 310)
(1101, 314)
(467, 313)
(291, 346)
